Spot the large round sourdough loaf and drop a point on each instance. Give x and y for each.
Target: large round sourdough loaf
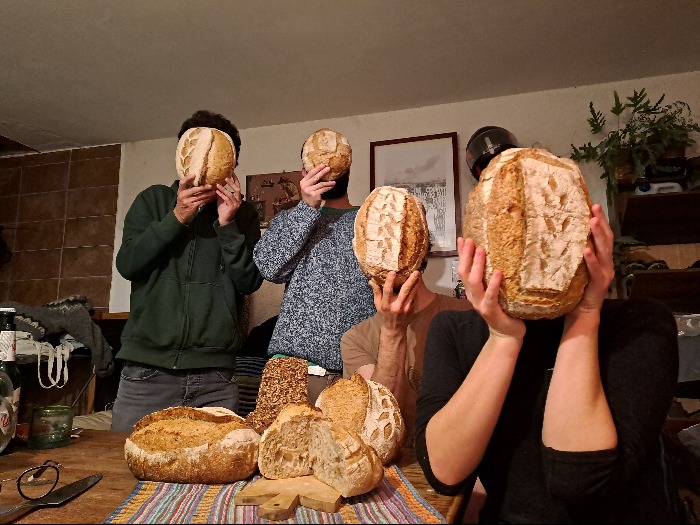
(206, 153)
(302, 442)
(369, 409)
(530, 211)
(391, 234)
(192, 445)
(325, 146)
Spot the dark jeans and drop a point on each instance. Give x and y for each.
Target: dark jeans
(144, 389)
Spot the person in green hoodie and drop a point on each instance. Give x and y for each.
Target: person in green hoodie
(188, 252)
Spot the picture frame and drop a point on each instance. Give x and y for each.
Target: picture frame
(428, 167)
(270, 193)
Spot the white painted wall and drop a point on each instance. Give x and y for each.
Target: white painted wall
(549, 119)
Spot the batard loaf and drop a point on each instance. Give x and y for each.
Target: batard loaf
(284, 380)
(530, 211)
(192, 445)
(302, 442)
(206, 153)
(325, 146)
(391, 234)
(369, 409)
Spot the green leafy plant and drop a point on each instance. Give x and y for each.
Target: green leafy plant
(637, 136)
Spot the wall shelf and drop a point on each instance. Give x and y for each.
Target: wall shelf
(664, 218)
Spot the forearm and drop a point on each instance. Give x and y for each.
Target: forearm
(390, 369)
(577, 416)
(466, 423)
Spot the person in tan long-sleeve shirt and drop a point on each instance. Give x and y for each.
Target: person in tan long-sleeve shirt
(388, 347)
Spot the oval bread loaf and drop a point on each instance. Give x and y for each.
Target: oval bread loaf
(325, 146)
(530, 211)
(391, 234)
(369, 409)
(206, 153)
(192, 445)
(302, 442)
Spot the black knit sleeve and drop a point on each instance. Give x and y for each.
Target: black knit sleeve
(638, 353)
(453, 343)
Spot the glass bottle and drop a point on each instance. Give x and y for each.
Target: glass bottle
(8, 420)
(8, 353)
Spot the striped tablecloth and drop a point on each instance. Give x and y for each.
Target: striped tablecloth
(394, 500)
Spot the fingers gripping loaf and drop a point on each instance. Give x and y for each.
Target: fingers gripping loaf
(206, 153)
(530, 211)
(192, 445)
(391, 234)
(369, 409)
(301, 442)
(325, 146)
(284, 380)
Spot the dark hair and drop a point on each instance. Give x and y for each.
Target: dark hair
(424, 264)
(208, 119)
(340, 188)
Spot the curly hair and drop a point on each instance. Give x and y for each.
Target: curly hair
(208, 119)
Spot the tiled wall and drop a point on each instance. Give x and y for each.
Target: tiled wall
(58, 210)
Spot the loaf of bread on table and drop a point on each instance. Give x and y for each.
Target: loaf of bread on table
(530, 211)
(369, 409)
(192, 445)
(284, 380)
(302, 442)
(206, 153)
(325, 146)
(391, 234)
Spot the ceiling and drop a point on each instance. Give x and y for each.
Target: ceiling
(87, 72)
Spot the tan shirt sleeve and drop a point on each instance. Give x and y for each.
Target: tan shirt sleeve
(360, 345)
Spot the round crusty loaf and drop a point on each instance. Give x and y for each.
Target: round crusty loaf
(302, 442)
(325, 146)
(391, 234)
(192, 445)
(369, 409)
(530, 211)
(206, 153)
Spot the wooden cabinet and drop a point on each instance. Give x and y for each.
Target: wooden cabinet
(661, 219)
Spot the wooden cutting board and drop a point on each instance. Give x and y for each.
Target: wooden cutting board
(277, 498)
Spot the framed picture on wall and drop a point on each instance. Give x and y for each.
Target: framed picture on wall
(428, 167)
(270, 193)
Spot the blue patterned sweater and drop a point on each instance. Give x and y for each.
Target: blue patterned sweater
(326, 293)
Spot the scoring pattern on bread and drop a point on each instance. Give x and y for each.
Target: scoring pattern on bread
(325, 146)
(206, 153)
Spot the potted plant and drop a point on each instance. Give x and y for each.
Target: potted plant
(643, 133)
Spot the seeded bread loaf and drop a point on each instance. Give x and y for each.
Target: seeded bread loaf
(325, 146)
(207, 153)
(302, 442)
(192, 445)
(284, 380)
(369, 409)
(530, 211)
(391, 234)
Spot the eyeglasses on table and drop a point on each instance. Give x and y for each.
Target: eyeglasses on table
(36, 482)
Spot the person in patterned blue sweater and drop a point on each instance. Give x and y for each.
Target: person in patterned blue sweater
(309, 248)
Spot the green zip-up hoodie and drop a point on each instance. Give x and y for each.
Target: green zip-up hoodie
(187, 282)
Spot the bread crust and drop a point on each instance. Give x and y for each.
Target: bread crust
(192, 445)
(391, 234)
(530, 211)
(369, 409)
(206, 153)
(325, 146)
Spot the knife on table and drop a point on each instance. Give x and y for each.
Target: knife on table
(52, 499)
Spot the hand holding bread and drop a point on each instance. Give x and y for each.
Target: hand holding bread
(313, 186)
(190, 198)
(228, 202)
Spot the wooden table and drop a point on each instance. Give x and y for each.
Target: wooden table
(103, 451)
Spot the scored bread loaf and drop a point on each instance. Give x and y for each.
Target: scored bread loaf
(391, 234)
(530, 211)
(206, 153)
(302, 442)
(192, 445)
(369, 409)
(284, 380)
(325, 146)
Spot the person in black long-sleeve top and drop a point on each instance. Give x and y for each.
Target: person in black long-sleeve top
(560, 419)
